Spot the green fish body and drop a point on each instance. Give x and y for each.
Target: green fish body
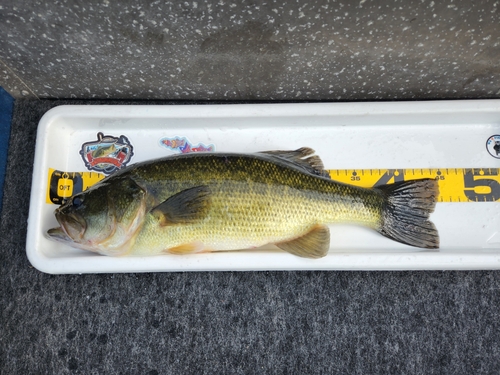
(197, 202)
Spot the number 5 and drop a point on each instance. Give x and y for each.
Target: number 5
(470, 182)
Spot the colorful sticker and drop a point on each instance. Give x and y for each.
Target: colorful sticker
(107, 154)
(183, 145)
(493, 146)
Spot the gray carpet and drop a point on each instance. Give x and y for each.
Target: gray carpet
(231, 322)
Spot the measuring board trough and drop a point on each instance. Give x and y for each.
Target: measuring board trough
(362, 144)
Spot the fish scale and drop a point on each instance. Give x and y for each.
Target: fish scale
(255, 201)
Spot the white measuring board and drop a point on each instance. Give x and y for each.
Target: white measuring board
(434, 136)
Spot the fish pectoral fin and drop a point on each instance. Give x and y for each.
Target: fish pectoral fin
(188, 248)
(185, 207)
(303, 157)
(313, 244)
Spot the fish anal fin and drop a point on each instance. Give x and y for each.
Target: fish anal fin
(185, 207)
(302, 157)
(313, 244)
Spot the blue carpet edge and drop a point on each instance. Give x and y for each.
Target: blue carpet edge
(6, 108)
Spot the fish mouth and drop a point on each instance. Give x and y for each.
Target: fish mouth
(58, 234)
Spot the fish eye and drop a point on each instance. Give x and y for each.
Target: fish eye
(77, 202)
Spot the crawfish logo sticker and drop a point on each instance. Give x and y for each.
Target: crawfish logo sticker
(107, 154)
(493, 146)
(183, 145)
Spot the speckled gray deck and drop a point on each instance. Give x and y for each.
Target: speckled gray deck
(230, 322)
(220, 49)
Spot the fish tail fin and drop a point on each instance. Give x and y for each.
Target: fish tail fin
(405, 212)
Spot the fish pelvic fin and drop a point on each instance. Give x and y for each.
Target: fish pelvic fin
(313, 244)
(405, 213)
(188, 248)
(185, 207)
(303, 157)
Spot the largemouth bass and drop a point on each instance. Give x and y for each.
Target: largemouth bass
(197, 202)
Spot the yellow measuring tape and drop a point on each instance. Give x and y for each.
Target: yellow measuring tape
(455, 185)
(63, 185)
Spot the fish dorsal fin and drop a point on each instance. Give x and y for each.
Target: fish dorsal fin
(187, 206)
(303, 157)
(313, 244)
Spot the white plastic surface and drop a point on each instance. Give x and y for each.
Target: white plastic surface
(441, 134)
